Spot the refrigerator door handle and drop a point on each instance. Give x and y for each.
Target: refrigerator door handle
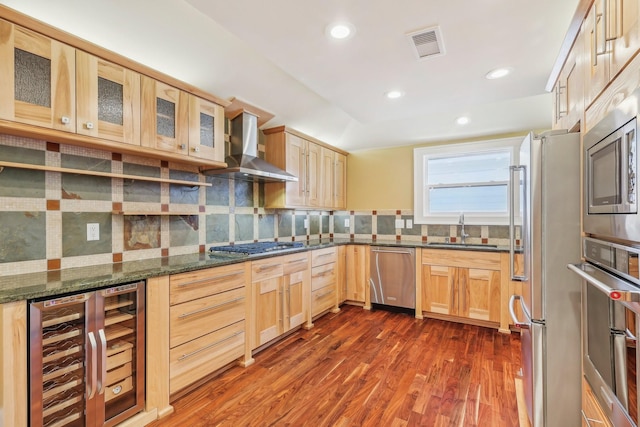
(513, 185)
(517, 323)
(93, 369)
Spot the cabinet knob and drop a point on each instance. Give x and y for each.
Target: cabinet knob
(89, 125)
(65, 120)
(196, 149)
(183, 146)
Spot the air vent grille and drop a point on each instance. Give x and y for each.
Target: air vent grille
(427, 43)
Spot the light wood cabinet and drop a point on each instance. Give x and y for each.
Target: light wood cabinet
(611, 35)
(356, 272)
(464, 284)
(206, 129)
(206, 322)
(37, 79)
(321, 171)
(108, 100)
(324, 273)
(280, 291)
(568, 92)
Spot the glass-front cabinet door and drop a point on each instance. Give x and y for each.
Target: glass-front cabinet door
(206, 129)
(108, 100)
(165, 117)
(37, 79)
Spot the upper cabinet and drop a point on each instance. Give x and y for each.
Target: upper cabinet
(165, 117)
(568, 92)
(320, 168)
(108, 100)
(37, 79)
(58, 88)
(611, 35)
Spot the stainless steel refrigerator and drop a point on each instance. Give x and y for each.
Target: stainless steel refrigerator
(545, 200)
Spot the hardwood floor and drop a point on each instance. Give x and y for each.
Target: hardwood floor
(362, 368)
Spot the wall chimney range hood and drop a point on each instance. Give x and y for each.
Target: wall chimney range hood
(242, 161)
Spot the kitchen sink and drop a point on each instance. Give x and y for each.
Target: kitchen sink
(462, 245)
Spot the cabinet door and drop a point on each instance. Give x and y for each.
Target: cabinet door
(37, 79)
(356, 272)
(624, 27)
(268, 316)
(293, 300)
(314, 174)
(479, 294)
(573, 76)
(597, 75)
(339, 181)
(206, 129)
(326, 178)
(296, 161)
(165, 117)
(108, 100)
(439, 289)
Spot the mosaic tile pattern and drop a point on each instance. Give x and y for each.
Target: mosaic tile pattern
(44, 215)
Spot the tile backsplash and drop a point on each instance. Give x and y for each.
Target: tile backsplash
(44, 215)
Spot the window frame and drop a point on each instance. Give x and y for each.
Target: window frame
(420, 192)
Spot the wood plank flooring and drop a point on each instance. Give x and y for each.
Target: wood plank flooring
(362, 368)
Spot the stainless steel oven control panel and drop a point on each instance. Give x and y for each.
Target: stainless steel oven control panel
(619, 259)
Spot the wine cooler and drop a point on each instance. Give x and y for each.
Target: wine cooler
(86, 357)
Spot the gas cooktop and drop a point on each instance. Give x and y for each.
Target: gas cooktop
(254, 248)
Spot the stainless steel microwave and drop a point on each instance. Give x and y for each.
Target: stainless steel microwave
(610, 169)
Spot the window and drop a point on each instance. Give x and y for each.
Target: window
(472, 178)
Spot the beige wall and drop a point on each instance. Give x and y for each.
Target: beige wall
(383, 179)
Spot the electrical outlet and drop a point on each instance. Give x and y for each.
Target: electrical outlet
(93, 231)
(399, 223)
(409, 223)
(306, 223)
(346, 222)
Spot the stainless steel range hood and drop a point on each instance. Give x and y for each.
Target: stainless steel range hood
(243, 162)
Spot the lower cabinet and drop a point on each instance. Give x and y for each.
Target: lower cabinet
(280, 291)
(324, 273)
(356, 272)
(465, 284)
(206, 322)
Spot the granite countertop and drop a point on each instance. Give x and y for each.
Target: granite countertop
(51, 283)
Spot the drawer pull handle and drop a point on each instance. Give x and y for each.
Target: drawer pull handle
(268, 267)
(299, 261)
(322, 273)
(223, 276)
(206, 347)
(212, 307)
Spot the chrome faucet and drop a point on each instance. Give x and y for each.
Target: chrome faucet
(463, 235)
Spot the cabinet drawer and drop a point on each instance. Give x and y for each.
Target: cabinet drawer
(322, 276)
(197, 284)
(323, 256)
(193, 319)
(196, 359)
(466, 259)
(296, 262)
(266, 269)
(322, 299)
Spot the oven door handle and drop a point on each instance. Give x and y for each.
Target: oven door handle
(615, 288)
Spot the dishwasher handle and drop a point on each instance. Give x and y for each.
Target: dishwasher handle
(392, 251)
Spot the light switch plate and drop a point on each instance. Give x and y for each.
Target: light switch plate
(399, 223)
(409, 223)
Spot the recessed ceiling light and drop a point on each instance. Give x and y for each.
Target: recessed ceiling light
(393, 94)
(462, 120)
(341, 30)
(498, 73)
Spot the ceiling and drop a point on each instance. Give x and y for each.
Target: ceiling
(275, 55)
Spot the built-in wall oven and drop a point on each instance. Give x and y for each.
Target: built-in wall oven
(611, 165)
(610, 319)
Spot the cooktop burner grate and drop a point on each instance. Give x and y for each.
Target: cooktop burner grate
(256, 248)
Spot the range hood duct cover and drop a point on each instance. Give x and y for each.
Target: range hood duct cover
(243, 162)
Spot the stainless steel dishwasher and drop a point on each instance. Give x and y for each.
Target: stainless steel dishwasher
(392, 278)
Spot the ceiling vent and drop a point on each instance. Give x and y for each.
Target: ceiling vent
(427, 43)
